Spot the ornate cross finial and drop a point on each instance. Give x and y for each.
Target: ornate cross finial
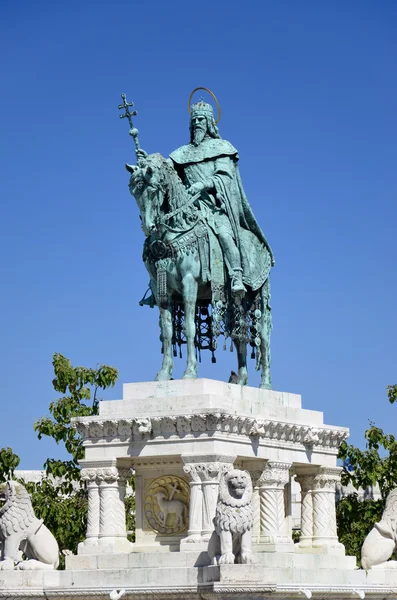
(133, 130)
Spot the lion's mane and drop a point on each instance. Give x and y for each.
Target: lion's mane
(234, 514)
(16, 514)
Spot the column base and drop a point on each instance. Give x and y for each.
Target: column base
(105, 546)
(275, 544)
(194, 545)
(336, 550)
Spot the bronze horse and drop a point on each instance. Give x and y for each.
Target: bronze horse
(178, 253)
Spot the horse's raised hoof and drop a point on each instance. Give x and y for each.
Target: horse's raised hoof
(190, 373)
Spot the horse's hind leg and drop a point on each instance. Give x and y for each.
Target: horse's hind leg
(266, 329)
(241, 348)
(166, 337)
(189, 289)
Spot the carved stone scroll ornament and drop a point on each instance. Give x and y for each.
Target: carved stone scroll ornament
(381, 541)
(233, 520)
(19, 525)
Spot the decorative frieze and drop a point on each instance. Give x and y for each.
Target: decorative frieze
(181, 425)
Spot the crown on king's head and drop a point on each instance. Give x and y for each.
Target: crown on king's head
(201, 108)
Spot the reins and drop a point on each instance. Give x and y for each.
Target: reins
(169, 216)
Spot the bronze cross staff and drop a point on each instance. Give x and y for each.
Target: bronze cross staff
(133, 130)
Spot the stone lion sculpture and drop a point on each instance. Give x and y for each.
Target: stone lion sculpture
(22, 532)
(233, 520)
(382, 539)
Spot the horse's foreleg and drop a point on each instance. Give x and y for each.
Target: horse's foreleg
(189, 289)
(241, 348)
(266, 329)
(166, 337)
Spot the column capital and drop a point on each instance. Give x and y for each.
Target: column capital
(88, 474)
(275, 474)
(207, 468)
(108, 474)
(305, 480)
(326, 478)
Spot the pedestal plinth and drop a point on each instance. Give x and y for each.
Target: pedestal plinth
(179, 437)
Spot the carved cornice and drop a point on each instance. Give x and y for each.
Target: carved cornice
(280, 432)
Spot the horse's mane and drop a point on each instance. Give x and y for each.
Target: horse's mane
(167, 179)
(174, 188)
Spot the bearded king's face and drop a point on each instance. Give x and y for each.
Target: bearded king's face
(199, 129)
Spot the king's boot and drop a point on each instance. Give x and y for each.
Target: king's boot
(237, 282)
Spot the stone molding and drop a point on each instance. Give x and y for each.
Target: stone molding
(210, 591)
(142, 428)
(155, 462)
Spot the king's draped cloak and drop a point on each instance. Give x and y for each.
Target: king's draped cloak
(227, 207)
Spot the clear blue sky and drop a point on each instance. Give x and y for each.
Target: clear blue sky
(308, 94)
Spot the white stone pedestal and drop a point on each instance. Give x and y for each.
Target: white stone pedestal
(179, 437)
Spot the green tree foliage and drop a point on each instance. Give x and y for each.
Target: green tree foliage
(79, 386)
(8, 463)
(355, 520)
(60, 499)
(376, 465)
(64, 514)
(392, 393)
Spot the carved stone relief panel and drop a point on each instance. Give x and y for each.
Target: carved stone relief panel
(166, 504)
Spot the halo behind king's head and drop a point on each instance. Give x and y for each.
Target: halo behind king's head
(203, 108)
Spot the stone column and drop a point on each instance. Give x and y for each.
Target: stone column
(196, 504)
(324, 515)
(205, 472)
(210, 484)
(273, 536)
(306, 483)
(92, 534)
(256, 504)
(112, 522)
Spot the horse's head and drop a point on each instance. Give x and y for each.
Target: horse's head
(148, 186)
